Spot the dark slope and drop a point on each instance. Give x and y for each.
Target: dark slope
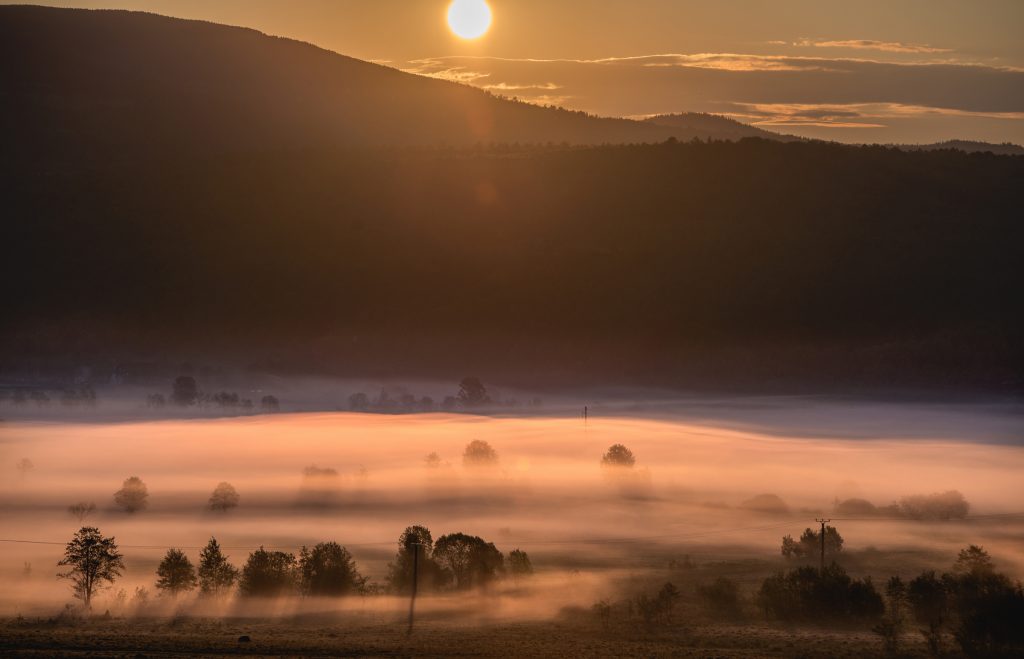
(124, 80)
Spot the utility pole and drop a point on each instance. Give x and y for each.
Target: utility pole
(823, 522)
(415, 582)
(585, 414)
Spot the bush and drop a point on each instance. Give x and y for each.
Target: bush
(721, 598)
(810, 594)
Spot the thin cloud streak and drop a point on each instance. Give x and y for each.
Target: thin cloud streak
(919, 100)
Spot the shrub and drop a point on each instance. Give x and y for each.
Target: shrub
(811, 594)
(722, 597)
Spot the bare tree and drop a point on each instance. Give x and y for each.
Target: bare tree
(81, 510)
(93, 560)
(133, 495)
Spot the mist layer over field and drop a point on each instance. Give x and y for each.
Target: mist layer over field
(584, 530)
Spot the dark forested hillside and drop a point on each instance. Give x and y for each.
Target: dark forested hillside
(618, 252)
(170, 184)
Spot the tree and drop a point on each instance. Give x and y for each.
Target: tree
(81, 510)
(519, 564)
(93, 561)
(809, 544)
(479, 453)
(224, 497)
(216, 575)
(473, 393)
(973, 560)
(469, 559)
(133, 495)
(185, 391)
(328, 570)
(270, 404)
(269, 574)
(618, 455)
(942, 505)
(176, 574)
(400, 571)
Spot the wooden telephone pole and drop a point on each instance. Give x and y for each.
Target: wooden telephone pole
(823, 522)
(415, 582)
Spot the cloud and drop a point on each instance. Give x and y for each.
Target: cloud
(871, 44)
(950, 99)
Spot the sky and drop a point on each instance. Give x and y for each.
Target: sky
(869, 71)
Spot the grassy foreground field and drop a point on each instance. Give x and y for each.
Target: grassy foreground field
(375, 636)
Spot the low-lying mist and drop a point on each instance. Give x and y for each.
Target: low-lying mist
(694, 493)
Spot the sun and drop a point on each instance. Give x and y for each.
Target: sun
(469, 19)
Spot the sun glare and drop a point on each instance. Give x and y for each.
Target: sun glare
(469, 19)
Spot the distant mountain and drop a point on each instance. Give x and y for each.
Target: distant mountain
(712, 126)
(127, 80)
(1005, 149)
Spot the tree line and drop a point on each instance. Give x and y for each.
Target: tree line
(456, 561)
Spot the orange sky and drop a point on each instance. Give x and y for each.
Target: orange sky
(876, 70)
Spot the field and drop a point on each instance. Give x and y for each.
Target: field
(681, 515)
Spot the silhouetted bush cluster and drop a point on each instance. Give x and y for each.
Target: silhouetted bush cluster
(810, 594)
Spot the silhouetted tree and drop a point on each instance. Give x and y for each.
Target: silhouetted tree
(618, 455)
(269, 574)
(479, 453)
(216, 575)
(809, 544)
(81, 510)
(270, 404)
(176, 574)
(413, 539)
(224, 497)
(328, 570)
(973, 560)
(519, 564)
(473, 393)
(156, 401)
(133, 495)
(93, 561)
(469, 559)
